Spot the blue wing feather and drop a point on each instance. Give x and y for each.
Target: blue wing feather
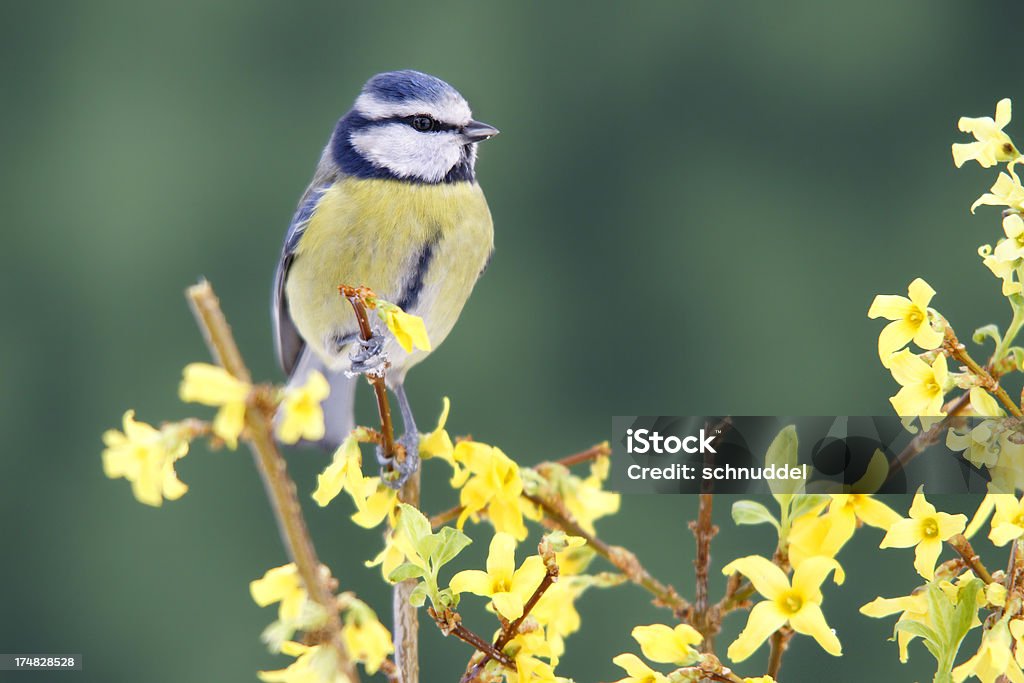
(288, 343)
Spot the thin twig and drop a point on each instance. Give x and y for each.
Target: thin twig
(703, 616)
(406, 621)
(779, 643)
(960, 544)
(593, 453)
(989, 381)
(356, 296)
(450, 623)
(624, 560)
(272, 468)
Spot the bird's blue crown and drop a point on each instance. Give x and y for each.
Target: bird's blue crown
(388, 151)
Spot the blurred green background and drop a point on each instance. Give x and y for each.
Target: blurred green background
(694, 202)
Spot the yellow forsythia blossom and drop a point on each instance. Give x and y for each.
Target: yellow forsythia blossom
(301, 416)
(1007, 191)
(993, 659)
(759, 679)
(585, 498)
(408, 329)
(637, 671)
(212, 385)
(923, 385)
(314, 664)
(909, 318)
(528, 648)
(145, 456)
(507, 587)
(1008, 520)
(913, 608)
(366, 639)
(847, 508)
(797, 603)
(494, 484)
(280, 584)
(1004, 270)
(991, 144)
(374, 502)
(1012, 248)
(926, 529)
(667, 645)
(345, 473)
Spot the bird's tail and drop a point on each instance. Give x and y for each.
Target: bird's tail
(339, 407)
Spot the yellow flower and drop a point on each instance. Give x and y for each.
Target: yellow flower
(374, 502)
(314, 664)
(1017, 631)
(527, 648)
(1004, 270)
(980, 445)
(846, 508)
(926, 529)
(1012, 248)
(1007, 191)
(798, 604)
(280, 584)
(507, 587)
(637, 671)
(995, 594)
(1008, 521)
(760, 679)
(408, 329)
(302, 417)
(345, 473)
(438, 444)
(556, 611)
(923, 385)
(910, 320)
(366, 639)
(993, 659)
(585, 498)
(212, 385)
(813, 536)
(992, 144)
(145, 456)
(913, 607)
(667, 645)
(493, 483)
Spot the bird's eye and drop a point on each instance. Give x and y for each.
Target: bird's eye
(423, 123)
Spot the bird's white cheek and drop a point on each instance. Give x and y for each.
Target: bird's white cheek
(408, 153)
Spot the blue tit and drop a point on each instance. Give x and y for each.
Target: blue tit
(393, 205)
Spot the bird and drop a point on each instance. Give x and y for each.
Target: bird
(393, 205)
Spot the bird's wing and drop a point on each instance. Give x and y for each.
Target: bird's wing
(288, 342)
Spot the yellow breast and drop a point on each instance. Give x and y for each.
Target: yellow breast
(424, 243)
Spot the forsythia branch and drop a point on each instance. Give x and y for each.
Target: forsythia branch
(272, 468)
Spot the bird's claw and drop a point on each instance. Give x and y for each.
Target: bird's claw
(395, 472)
(370, 356)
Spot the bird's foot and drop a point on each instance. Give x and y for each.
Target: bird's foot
(369, 358)
(395, 471)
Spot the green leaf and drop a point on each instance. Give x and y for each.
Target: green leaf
(751, 512)
(1018, 356)
(448, 598)
(783, 453)
(404, 571)
(427, 546)
(412, 523)
(419, 595)
(806, 503)
(452, 542)
(918, 629)
(940, 612)
(966, 611)
(987, 332)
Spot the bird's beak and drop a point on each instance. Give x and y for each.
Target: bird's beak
(475, 131)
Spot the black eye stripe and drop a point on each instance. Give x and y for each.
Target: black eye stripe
(438, 126)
